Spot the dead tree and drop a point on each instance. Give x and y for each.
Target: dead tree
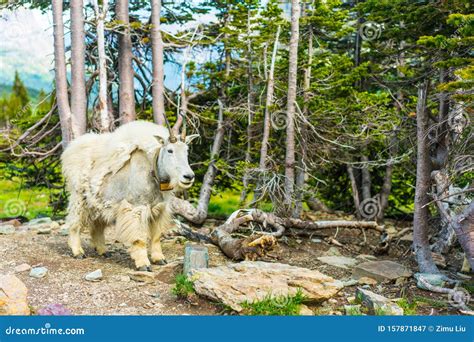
(125, 72)
(421, 243)
(158, 85)
(78, 81)
(291, 99)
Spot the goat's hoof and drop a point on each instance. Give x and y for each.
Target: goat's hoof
(80, 256)
(106, 254)
(145, 268)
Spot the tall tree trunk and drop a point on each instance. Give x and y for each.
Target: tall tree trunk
(387, 179)
(101, 13)
(463, 225)
(355, 190)
(60, 74)
(423, 181)
(301, 170)
(366, 181)
(290, 128)
(268, 105)
(158, 87)
(125, 67)
(250, 109)
(78, 81)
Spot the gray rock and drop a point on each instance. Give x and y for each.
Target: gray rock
(251, 281)
(22, 268)
(316, 240)
(195, 257)
(377, 304)
(7, 229)
(41, 220)
(432, 279)
(38, 272)
(338, 261)
(383, 270)
(94, 276)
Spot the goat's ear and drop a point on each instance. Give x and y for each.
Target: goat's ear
(190, 138)
(160, 140)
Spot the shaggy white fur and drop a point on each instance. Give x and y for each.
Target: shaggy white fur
(109, 177)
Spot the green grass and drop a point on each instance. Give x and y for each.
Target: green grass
(275, 306)
(431, 302)
(16, 200)
(225, 203)
(409, 308)
(183, 287)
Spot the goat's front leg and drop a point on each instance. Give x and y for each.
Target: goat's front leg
(132, 230)
(162, 221)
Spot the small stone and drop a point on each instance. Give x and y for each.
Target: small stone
(54, 310)
(124, 278)
(7, 229)
(332, 300)
(54, 225)
(377, 304)
(22, 268)
(142, 276)
(332, 251)
(122, 305)
(13, 296)
(41, 220)
(94, 276)
(338, 261)
(316, 240)
(299, 241)
(383, 270)
(367, 281)
(353, 310)
(64, 231)
(305, 311)
(350, 282)
(15, 223)
(44, 231)
(430, 278)
(38, 272)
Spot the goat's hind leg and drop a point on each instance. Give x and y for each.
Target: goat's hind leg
(75, 221)
(98, 237)
(161, 222)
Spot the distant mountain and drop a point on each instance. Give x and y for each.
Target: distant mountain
(6, 89)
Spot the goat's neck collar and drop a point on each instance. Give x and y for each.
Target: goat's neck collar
(164, 186)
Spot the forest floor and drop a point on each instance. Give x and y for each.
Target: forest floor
(117, 294)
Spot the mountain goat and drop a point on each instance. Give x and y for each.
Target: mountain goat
(125, 179)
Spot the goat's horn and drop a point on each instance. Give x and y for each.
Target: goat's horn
(172, 138)
(183, 131)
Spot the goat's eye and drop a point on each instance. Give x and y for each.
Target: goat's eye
(170, 151)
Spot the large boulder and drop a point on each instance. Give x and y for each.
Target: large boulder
(251, 281)
(13, 296)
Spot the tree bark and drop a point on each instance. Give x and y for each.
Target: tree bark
(62, 98)
(463, 225)
(158, 85)
(423, 171)
(366, 181)
(290, 128)
(355, 190)
(125, 67)
(104, 119)
(78, 81)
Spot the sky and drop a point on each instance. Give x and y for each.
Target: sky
(26, 45)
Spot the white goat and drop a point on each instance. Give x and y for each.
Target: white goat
(125, 178)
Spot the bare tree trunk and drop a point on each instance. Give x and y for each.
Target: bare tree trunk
(355, 190)
(366, 181)
(125, 56)
(301, 170)
(463, 225)
(101, 13)
(158, 87)
(184, 208)
(268, 105)
(78, 81)
(60, 74)
(290, 128)
(423, 181)
(387, 179)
